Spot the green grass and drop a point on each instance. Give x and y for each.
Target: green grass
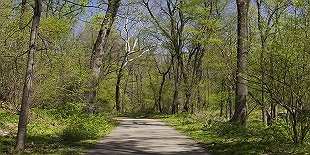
(219, 137)
(67, 130)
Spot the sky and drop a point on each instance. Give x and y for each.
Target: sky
(90, 11)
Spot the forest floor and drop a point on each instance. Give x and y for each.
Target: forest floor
(65, 130)
(148, 137)
(221, 138)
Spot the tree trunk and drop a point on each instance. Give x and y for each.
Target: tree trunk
(23, 116)
(265, 116)
(188, 93)
(241, 108)
(262, 39)
(97, 56)
(274, 112)
(295, 130)
(222, 100)
(221, 108)
(118, 83)
(22, 12)
(174, 102)
(199, 106)
(175, 89)
(187, 100)
(230, 103)
(124, 95)
(161, 92)
(117, 92)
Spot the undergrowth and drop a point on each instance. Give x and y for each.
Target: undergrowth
(65, 130)
(220, 137)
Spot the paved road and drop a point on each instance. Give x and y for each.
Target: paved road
(148, 137)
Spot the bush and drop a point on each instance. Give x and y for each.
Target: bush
(278, 132)
(81, 126)
(79, 131)
(69, 110)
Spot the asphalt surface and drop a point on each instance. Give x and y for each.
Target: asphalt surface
(146, 137)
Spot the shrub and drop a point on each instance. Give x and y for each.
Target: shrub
(81, 126)
(78, 131)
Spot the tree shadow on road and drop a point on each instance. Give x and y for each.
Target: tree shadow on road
(131, 147)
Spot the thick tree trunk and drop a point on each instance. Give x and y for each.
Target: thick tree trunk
(198, 70)
(175, 89)
(23, 116)
(174, 102)
(274, 112)
(188, 92)
(98, 51)
(183, 74)
(187, 100)
(241, 108)
(265, 116)
(222, 108)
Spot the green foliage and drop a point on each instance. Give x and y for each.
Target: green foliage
(205, 25)
(8, 124)
(54, 29)
(69, 110)
(63, 130)
(220, 137)
(83, 127)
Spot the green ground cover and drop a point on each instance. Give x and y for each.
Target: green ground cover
(219, 137)
(66, 130)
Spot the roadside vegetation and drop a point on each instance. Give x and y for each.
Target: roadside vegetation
(66, 130)
(220, 137)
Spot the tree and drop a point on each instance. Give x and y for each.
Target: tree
(98, 51)
(130, 35)
(163, 74)
(240, 114)
(23, 116)
(174, 34)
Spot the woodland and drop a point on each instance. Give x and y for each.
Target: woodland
(234, 75)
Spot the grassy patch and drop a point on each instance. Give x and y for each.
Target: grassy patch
(220, 137)
(67, 130)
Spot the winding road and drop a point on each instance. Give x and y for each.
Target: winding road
(146, 137)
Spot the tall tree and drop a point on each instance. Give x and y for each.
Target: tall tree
(23, 117)
(241, 107)
(175, 36)
(98, 51)
(163, 74)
